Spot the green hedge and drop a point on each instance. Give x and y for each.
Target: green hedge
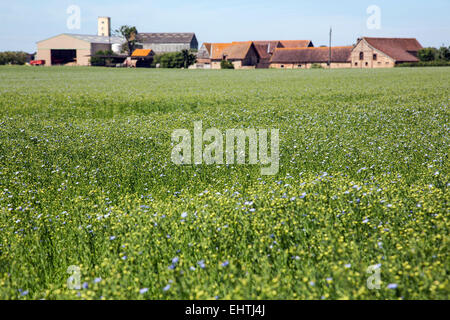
(434, 63)
(224, 64)
(175, 60)
(13, 57)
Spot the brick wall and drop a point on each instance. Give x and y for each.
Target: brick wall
(380, 60)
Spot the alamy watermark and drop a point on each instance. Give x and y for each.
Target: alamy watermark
(208, 147)
(374, 280)
(74, 281)
(74, 19)
(374, 20)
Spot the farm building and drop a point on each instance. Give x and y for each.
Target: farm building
(167, 42)
(204, 57)
(267, 48)
(305, 58)
(141, 58)
(243, 55)
(246, 54)
(73, 49)
(384, 52)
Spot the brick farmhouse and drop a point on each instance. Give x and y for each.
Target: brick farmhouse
(301, 54)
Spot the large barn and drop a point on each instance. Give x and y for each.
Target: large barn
(305, 58)
(74, 49)
(167, 42)
(384, 52)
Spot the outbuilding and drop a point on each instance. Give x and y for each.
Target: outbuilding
(167, 42)
(305, 58)
(74, 49)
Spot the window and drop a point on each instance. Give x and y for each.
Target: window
(361, 56)
(367, 64)
(282, 65)
(356, 64)
(375, 57)
(299, 65)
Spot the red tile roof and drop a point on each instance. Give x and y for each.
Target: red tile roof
(238, 51)
(311, 55)
(141, 52)
(296, 43)
(399, 49)
(232, 51)
(217, 50)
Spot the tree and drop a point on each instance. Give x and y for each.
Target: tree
(182, 59)
(10, 57)
(130, 34)
(444, 53)
(427, 54)
(188, 58)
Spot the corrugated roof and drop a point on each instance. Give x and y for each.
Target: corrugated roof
(399, 49)
(174, 37)
(96, 39)
(311, 55)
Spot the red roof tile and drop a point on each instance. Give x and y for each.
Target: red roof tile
(311, 55)
(399, 49)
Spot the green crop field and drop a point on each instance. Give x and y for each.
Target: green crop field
(87, 183)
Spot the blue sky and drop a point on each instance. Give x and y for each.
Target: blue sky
(24, 22)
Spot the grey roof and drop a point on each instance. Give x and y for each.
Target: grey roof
(96, 39)
(165, 37)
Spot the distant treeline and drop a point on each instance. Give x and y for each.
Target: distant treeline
(13, 57)
(431, 57)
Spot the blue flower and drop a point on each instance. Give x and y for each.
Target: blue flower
(97, 280)
(166, 288)
(175, 260)
(144, 290)
(112, 238)
(348, 265)
(201, 263)
(184, 215)
(392, 286)
(225, 264)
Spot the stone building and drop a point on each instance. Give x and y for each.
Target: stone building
(305, 58)
(384, 52)
(243, 55)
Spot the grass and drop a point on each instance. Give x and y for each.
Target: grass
(86, 179)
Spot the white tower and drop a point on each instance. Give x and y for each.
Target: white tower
(104, 26)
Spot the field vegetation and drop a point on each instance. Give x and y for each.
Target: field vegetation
(86, 180)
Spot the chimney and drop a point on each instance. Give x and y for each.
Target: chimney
(104, 26)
